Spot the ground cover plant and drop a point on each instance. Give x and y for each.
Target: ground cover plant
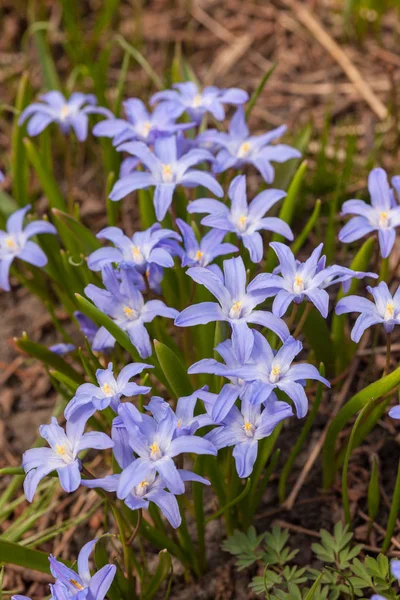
(222, 328)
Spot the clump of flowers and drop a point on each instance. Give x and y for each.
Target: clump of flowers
(204, 302)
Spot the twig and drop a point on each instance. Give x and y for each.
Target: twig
(323, 37)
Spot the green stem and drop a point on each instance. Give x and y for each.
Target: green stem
(293, 315)
(384, 270)
(303, 319)
(388, 353)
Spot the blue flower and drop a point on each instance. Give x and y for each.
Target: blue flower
(202, 253)
(81, 585)
(242, 219)
(298, 281)
(91, 397)
(154, 443)
(165, 171)
(123, 302)
(86, 325)
(238, 148)
(237, 387)
(61, 348)
(152, 487)
(187, 422)
(15, 243)
(62, 456)
(274, 370)
(236, 306)
(55, 108)
(139, 124)
(139, 252)
(244, 428)
(382, 215)
(188, 98)
(385, 309)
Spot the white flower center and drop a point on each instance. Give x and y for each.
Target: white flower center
(242, 223)
(236, 310)
(65, 453)
(130, 313)
(389, 311)
(244, 150)
(197, 101)
(383, 221)
(107, 389)
(9, 244)
(137, 254)
(298, 285)
(249, 429)
(275, 374)
(65, 112)
(141, 489)
(167, 174)
(146, 127)
(155, 452)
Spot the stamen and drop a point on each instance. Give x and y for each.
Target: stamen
(235, 311)
(76, 584)
(199, 255)
(137, 254)
(154, 448)
(129, 312)
(249, 428)
(298, 285)
(244, 149)
(65, 111)
(106, 389)
(167, 173)
(275, 373)
(242, 220)
(60, 450)
(196, 101)
(10, 243)
(383, 220)
(389, 311)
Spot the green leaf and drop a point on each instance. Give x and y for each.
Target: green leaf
(49, 70)
(19, 165)
(375, 390)
(303, 236)
(287, 212)
(259, 90)
(47, 357)
(231, 503)
(164, 568)
(174, 371)
(318, 336)
(24, 557)
(120, 585)
(394, 511)
(101, 319)
(136, 55)
(76, 237)
(46, 177)
(245, 546)
(345, 492)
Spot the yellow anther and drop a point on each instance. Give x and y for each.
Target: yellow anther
(143, 483)
(196, 101)
(60, 450)
(298, 285)
(199, 255)
(129, 312)
(106, 389)
(10, 243)
(237, 306)
(389, 312)
(276, 371)
(167, 169)
(76, 584)
(154, 448)
(136, 253)
(242, 220)
(383, 219)
(147, 127)
(247, 426)
(179, 424)
(65, 111)
(244, 149)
